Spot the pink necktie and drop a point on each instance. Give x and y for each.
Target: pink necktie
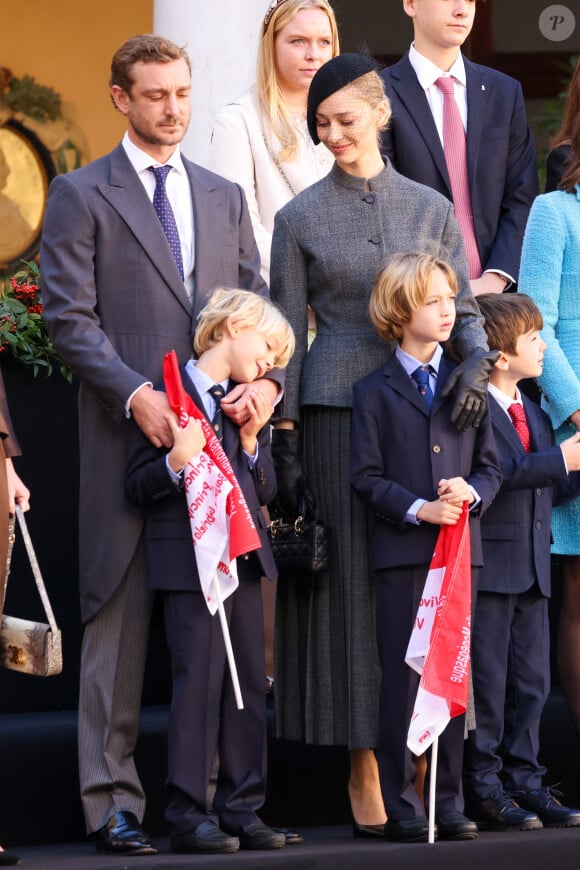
(518, 416)
(455, 150)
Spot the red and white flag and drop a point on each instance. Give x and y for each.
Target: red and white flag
(221, 524)
(439, 646)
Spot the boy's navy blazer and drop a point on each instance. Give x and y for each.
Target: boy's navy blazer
(399, 452)
(171, 561)
(516, 529)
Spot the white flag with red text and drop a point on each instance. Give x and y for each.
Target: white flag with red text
(221, 524)
(439, 646)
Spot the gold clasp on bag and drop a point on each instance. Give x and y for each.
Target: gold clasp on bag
(16, 655)
(274, 526)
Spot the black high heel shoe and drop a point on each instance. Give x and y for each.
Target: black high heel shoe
(7, 859)
(367, 832)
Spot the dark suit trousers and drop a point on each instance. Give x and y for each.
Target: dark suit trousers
(398, 594)
(511, 681)
(204, 718)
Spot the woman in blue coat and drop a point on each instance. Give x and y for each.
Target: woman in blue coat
(550, 274)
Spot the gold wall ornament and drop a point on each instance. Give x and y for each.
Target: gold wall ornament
(26, 169)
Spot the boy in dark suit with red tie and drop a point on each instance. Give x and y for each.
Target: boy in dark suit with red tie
(414, 470)
(510, 643)
(239, 337)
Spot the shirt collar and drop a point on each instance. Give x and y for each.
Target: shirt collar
(141, 161)
(409, 362)
(428, 73)
(202, 381)
(503, 400)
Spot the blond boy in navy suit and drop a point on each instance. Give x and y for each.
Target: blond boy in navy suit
(413, 469)
(240, 337)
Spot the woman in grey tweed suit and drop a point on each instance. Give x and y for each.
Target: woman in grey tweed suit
(329, 244)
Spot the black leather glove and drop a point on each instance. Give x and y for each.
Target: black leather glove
(469, 382)
(290, 475)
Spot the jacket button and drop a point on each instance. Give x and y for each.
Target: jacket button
(538, 525)
(538, 492)
(370, 198)
(436, 448)
(246, 557)
(375, 240)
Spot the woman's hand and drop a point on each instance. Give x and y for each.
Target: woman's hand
(18, 493)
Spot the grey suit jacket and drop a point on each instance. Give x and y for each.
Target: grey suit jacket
(329, 244)
(114, 304)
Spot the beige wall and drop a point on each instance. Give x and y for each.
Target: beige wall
(68, 45)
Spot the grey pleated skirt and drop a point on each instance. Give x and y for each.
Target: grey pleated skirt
(326, 663)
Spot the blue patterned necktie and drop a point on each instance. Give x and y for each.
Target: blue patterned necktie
(165, 214)
(421, 378)
(218, 392)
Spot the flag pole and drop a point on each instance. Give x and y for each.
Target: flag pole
(228, 643)
(432, 783)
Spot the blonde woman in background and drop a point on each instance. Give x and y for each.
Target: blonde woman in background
(261, 140)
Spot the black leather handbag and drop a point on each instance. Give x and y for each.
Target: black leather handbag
(301, 546)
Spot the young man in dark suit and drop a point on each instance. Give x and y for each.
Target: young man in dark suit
(239, 338)
(511, 642)
(414, 471)
(501, 161)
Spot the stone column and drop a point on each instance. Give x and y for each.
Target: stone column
(221, 38)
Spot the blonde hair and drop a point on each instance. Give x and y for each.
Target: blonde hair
(272, 108)
(369, 87)
(243, 308)
(401, 288)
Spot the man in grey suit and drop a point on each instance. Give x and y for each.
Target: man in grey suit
(121, 287)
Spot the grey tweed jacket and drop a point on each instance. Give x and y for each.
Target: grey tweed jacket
(329, 245)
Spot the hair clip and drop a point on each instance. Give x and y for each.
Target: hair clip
(270, 11)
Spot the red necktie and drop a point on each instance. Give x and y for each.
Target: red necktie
(455, 150)
(518, 415)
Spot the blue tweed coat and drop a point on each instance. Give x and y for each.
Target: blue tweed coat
(550, 274)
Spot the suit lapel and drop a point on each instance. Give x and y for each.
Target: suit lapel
(445, 369)
(535, 425)
(209, 219)
(190, 388)
(127, 196)
(505, 425)
(405, 83)
(477, 98)
(400, 381)
(230, 429)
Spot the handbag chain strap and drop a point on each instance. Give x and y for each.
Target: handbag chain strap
(277, 163)
(36, 570)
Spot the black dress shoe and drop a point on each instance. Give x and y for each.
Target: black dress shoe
(258, 836)
(293, 838)
(407, 830)
(7, 859)
(500, 812)
(552, 813)
(123, 835)
(367, 832)
(206, 839)
(455, 826)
